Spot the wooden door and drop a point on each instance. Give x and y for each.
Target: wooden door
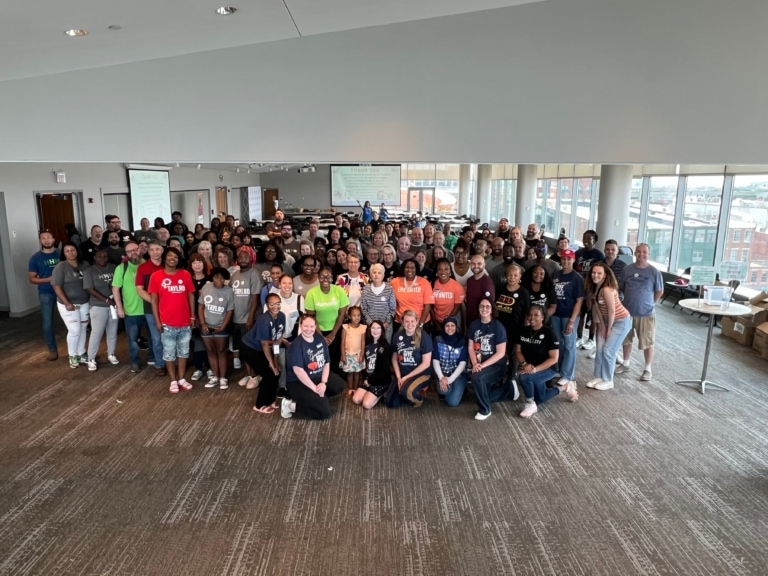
(269, 196)
(221, 202)
(54, 211)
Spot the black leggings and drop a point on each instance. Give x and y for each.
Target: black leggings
(334, 348)
(309, 404)
(269, 380)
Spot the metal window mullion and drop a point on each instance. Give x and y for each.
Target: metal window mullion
(677, 223)
(642, 217)
(725, 214)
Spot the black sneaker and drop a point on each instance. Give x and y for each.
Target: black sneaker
(283, 393)
(135, 368)
(143, 344)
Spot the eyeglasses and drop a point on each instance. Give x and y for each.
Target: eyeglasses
(273, 304)
(325, 277)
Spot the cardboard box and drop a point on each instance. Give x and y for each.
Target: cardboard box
(760, 341)
(756, 317)
(738, 331)
(757, 301)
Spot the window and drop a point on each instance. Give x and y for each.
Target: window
(586, 190)
(745, 254)
(701, 212)
(747, 235)
(746, 217)
(734, 255)
(753, 277)
(697, 257)
(737, 235)
(633, 226)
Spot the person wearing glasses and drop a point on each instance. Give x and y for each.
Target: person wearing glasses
(310, 380)
(461, 268)
(114, 225)
(260, 349)
(488, 358)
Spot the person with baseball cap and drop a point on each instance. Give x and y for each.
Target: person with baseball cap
(569, 287)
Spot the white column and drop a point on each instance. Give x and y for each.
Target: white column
(525, 200)
(465, 188)
(483, 206)
(613, 208)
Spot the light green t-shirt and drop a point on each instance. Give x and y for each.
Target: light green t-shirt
(326, 306)
(126, 276)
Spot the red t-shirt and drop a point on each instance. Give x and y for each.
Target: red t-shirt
(173, 292)
(143, 273)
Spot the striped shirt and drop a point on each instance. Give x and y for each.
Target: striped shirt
(380, 306)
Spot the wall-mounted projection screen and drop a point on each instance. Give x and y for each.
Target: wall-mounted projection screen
(376, 183)
(150, 195)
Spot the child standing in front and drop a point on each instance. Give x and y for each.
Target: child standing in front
(353, 348)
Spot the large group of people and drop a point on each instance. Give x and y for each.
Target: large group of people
(371, 308)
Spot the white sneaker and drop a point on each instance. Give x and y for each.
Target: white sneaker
(113, 359)
(529, 410)
(236, 363)
(92, 365)
(209, 373)
(592, 355)
(196, 375)
(604, 385)
(591, 383)
(619, 357)
(647, 375)
(589, 345)
(579, 343)
(150, 362)
(212, 383)
(562, 382)
(515, 389)
(223, 384)
(285, 408)
(621, 369)
(479, 416)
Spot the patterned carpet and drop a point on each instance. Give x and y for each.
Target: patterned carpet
(107, 473)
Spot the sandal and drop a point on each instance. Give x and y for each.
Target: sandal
(174, 389)
(243, 381)
(253, 383)
(184, 385)
(264, 409)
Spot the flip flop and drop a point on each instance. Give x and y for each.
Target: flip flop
(264, 409)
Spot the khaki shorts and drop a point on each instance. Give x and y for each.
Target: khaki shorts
(645, 328)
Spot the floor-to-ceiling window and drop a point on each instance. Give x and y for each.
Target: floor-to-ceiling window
(746, 237)
(698, 228)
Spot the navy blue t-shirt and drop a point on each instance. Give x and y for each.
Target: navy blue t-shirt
(485, 338)
(266, 328)
(568, 287)
(43, 264)
(409, 356)
(311, 356)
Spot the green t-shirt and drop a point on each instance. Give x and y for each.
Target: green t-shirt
(125, 276)
(326, 306)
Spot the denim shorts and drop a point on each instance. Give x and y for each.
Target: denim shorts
(175, 342)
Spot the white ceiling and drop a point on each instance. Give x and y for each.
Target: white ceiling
(32, 40)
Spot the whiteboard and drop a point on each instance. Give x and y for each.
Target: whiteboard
(373, 183)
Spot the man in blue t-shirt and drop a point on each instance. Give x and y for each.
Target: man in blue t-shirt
(642, 286)
(40, 269)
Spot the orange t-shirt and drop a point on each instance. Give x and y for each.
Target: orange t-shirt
(446, 297)
(412, 297)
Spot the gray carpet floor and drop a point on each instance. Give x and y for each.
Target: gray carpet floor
(106, 473)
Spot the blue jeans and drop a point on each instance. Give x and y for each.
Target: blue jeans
(456, 391)
(490, 386)
(47, 306)
(535, 385)
(566, 365)
(155, 352)
(133, 326)
(605, 360)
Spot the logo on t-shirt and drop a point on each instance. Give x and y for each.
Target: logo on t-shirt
(168, 285)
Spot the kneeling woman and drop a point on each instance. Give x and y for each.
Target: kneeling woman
(488, 357)
(309, 379)
(378, 370)
(411, 359)
(537, 352)
(450, 362)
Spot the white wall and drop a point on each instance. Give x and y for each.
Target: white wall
(306, 190)
(577, 81)
(20, 182)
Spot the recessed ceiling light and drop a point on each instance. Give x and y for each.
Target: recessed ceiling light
(115, 27)
(76, 32)
(226, 10)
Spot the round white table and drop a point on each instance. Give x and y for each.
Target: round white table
(697, 305)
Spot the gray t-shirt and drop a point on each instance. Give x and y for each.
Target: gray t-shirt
(246, 285)
(301, 288)
(100, 279)
(217, 302)
(638, 287)
(71, 281)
